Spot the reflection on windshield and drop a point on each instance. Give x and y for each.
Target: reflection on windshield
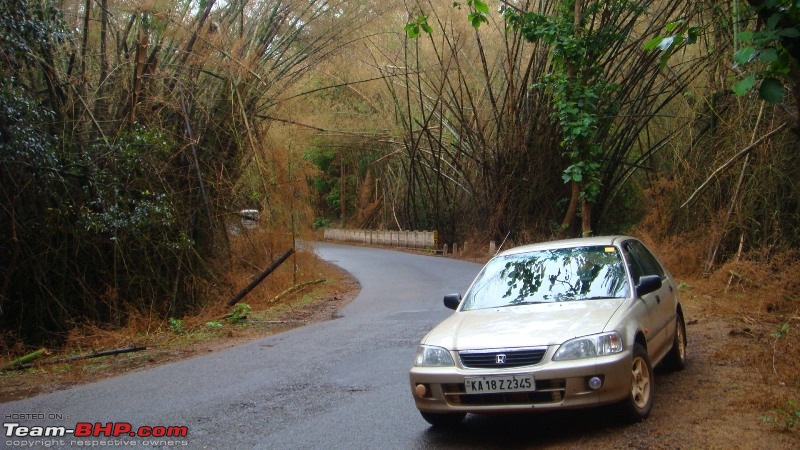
(581, 273)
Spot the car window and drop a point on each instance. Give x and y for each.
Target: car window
(641, 261)
(633, 264)
(580, 273)
(647, 262)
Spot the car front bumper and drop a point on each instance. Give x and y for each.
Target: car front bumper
(558, 385)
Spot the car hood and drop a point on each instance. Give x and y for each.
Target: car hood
(523, 326)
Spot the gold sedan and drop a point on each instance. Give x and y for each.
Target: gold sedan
(557, 325)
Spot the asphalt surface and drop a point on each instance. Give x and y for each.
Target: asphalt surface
(337, 384)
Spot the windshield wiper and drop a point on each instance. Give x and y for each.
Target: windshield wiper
(522, 303)
(600, 297)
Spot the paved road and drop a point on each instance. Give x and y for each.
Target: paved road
(337, 384)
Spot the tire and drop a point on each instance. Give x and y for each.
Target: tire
(443, 419)
(640, 400)
(676, 358)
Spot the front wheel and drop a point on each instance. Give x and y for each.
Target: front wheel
(676, 358)
(640, 400)
(443, 419)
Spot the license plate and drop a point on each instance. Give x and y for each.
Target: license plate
(499, 383)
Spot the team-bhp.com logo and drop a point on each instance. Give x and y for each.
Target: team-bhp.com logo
(97, 429)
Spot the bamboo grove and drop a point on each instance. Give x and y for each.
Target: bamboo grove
(131, 134)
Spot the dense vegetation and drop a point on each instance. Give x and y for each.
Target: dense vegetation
(132, 132)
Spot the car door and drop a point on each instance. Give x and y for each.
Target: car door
(660, 304)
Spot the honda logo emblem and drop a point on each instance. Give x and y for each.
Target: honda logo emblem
(500, 359)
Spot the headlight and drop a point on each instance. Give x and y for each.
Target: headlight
(589, 346)
(428, 356)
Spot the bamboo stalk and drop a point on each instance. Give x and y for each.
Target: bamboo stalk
(14, 364)
(236, 298)
(26, 364)
(296, 288)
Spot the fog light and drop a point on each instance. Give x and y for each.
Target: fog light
(595, 383)
(420, 390)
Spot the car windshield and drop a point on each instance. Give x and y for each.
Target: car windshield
(548, 276)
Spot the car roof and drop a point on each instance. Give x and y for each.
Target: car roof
(568, 243)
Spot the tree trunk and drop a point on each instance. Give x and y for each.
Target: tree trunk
(100, 104)
(572, 211)
(85, 39)
(342, 205)
(141, 59)
(586, 218)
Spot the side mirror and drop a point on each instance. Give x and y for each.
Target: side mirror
(452, 300)
(648, 284)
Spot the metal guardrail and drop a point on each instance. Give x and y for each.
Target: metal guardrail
(407, 239)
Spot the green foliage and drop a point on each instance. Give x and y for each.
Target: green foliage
(321, 222)
(27, 26)
(782, 331)
(214, 325)
(578, 86)
(744, 85)
(176, 325)
(589, 119)
(769, 53)
(765, 54)
(413, 28)
(328, 155)
(124, 203)
(91, 224)
(785, 419)
(478, 12)
(325, 182)
(239, 313)
(678, 34)
(772, 90)
(25, 141)
(25, 144)
(334, 198)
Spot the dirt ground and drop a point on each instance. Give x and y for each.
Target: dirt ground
(739, 390)
(724, 398)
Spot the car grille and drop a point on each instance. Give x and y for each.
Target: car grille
(512, 358)
(547, 391)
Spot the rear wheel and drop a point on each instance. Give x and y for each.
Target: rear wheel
(443, 419)
(640, 400)
(676, 358)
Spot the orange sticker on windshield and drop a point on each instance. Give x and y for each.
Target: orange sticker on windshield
(611, 249)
